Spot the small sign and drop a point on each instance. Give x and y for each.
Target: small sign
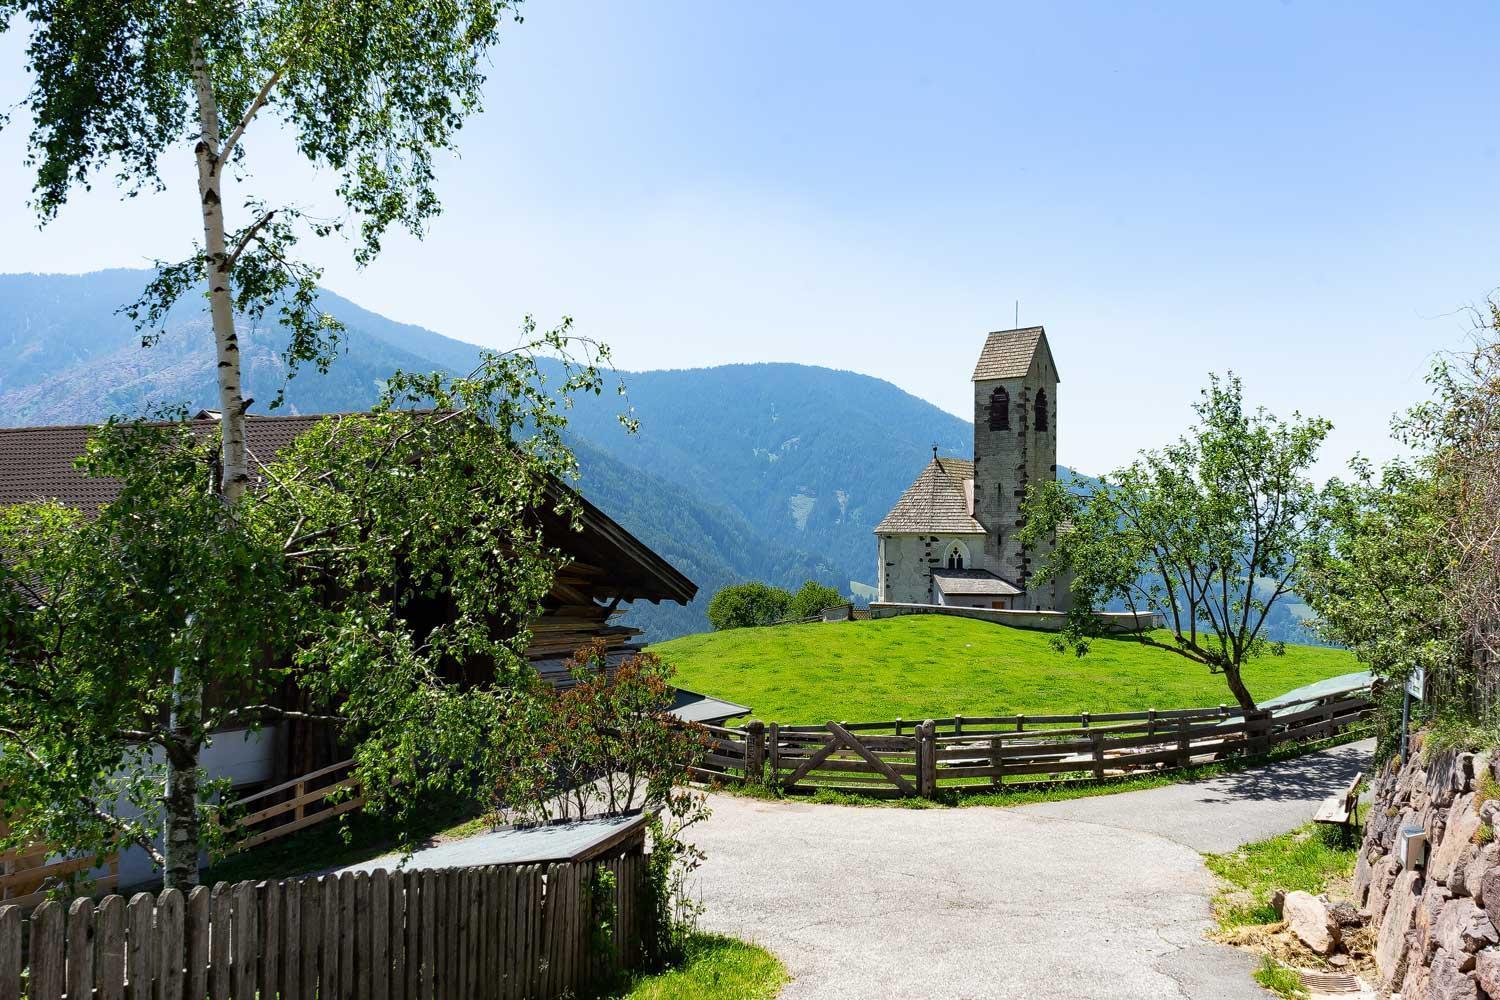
(1416, 682)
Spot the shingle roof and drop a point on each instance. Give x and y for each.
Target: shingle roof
(939, 502)
(972, 583)
(1008, 353)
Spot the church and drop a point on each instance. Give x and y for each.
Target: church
(953, 537)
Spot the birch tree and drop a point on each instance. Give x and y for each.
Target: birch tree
(384, 569)
(370, 92)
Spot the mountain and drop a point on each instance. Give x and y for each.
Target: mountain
(775, 472)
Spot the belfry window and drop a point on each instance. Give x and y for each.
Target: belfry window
(1000, 410)
(1040, 423)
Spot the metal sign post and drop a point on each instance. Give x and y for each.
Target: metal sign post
(1414, 689)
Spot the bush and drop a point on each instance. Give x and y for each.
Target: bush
(813, 598)
(743, 605)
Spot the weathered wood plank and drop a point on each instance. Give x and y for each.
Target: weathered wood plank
(10, 953)
(80, 974)
(330, 972)
(140, 953)
(378, 916)
(195, 949)
(220, 986)
(311, 891)
(269, 896)
(429, 936)
(171, 945)
(362, 939)
(246, 947)
(47, 958)
(291, 940)
(109, 947)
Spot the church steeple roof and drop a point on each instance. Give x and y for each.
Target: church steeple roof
(1009, 353)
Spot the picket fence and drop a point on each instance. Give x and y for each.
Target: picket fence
(975, 754)
(491, 933)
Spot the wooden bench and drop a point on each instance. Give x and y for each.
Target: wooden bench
(1342, 809)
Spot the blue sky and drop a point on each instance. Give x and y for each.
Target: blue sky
(1303, 193)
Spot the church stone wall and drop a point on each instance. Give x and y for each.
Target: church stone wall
(1006, 462)
(908, 560)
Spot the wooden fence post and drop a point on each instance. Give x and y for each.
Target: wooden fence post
(958, 725)
(1184, 747)
(773, 751)
(927, 760)
(1098, 741)
(997, 761)
(755, 752)
(1151, 722)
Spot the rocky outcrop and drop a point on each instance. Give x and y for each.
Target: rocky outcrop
(1435, 927)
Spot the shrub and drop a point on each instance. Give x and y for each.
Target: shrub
(812, 599)
(743, 605)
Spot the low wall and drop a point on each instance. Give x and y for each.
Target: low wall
(1046, 621)
(1436, 924)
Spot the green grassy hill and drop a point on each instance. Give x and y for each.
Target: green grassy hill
(931, 666)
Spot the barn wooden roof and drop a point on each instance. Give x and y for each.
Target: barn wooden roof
(36, 463)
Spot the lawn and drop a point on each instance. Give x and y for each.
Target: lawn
(715, 967)
(932, 666)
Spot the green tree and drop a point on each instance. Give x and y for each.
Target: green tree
(368, 91)
(812, 598)
(385, 572)
(743, 605)
(1207, 532)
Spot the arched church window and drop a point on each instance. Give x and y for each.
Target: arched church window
(1040, 423)
(1000, 410)
(957, 553)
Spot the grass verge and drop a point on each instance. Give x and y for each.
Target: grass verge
(1308, 858)
(1281, 980)
(715, 967)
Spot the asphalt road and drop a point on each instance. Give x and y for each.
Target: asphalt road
(1093, 899)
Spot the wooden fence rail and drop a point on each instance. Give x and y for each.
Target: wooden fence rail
(903, 758)
(494, 933)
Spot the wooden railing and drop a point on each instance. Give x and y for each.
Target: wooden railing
(494, 933)
(28, 875)
(305, 801)
(973, 754)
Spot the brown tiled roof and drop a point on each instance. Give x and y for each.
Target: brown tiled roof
(939, 502)
(1008, 353)
(973, 583)
(36, 463)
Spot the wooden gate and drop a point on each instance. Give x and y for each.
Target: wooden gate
(876, 765)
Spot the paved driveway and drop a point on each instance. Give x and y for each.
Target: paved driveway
(1093, 898)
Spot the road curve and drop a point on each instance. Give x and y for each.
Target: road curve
(1093, 899)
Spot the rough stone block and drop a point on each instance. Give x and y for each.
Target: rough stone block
(1491, 894)
(1458, 834)
(1391, 944)
(1487, 859)
(1308, 918)
(1380, 889)
(1487, 970)
(1447, 981)
(1462, 929)
(1428, 909)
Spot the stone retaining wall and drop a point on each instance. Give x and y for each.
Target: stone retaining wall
(1046, 621)
(1436, 926)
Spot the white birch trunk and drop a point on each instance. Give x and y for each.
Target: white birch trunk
(235, 472)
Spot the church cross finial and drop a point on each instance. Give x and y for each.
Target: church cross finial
(934, 453)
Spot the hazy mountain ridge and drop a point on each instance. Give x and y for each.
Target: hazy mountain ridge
(766, 471)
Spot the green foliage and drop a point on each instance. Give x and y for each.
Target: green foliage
(1307, 859)
(385, 573)
(865, 670)
(1280, 979)
(373, 115)
(744, 605)
(1207, 531)
(812, 598)
(713, 967)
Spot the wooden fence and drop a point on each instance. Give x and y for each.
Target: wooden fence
(904, 758)
(495, 933)
(305, 801)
